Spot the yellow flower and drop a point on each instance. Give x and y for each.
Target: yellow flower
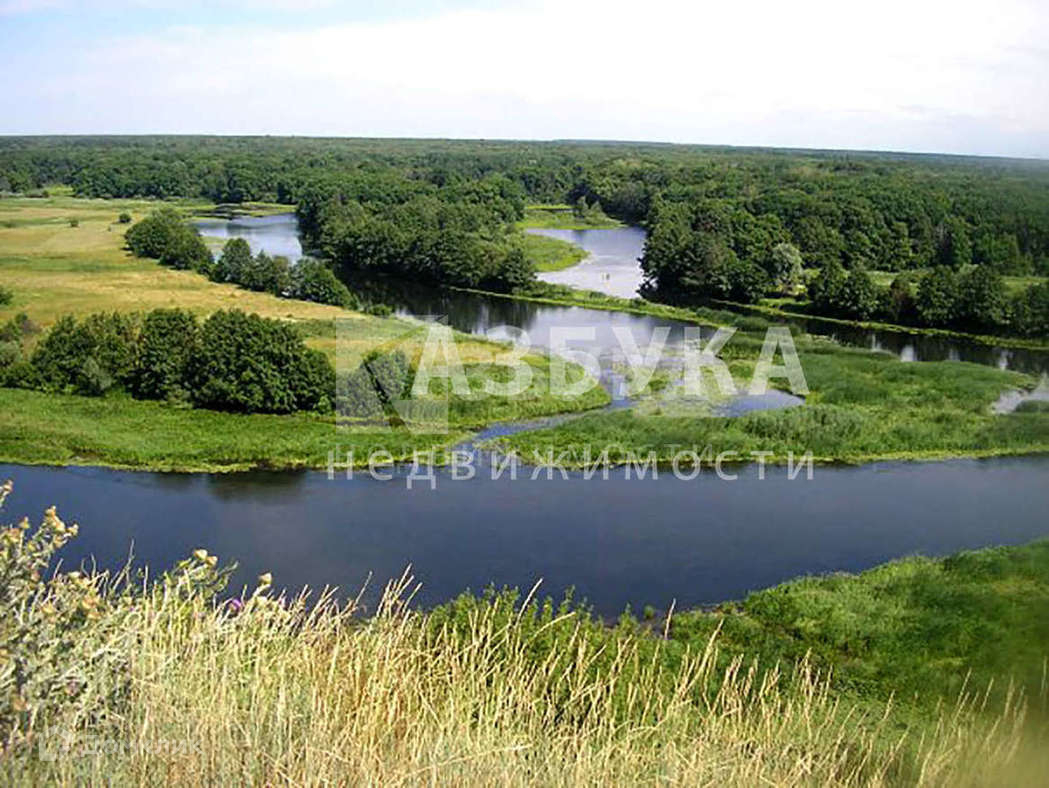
(265, 579)
(200, 554)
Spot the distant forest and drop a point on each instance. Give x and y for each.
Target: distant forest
(724, 223)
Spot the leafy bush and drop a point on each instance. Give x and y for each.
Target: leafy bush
(6, 296)
(167, 344)
(88, 357)
(163, 235)
(252, 364)
(124, 218)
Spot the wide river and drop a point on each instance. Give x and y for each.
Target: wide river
(618, 542)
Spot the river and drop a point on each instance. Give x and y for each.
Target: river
(618, 542)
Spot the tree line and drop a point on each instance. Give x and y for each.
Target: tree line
(231, 361)
(165, 236)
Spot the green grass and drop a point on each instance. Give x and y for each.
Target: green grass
(562, 217)
(861, 407)
(551, 254)
(918, 628)
(117, 431)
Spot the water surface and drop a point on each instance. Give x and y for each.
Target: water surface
(618, 542)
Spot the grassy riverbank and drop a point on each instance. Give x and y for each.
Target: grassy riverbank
(551, 254)
(563, 217)
(861, 407)
(55, 268)
(795, 685)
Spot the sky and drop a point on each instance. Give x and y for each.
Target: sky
(950, 76)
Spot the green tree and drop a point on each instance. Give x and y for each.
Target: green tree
(234, 261)
(167, 345)
(785, 266)
(938, 298)
(953, 246)
(251, 364)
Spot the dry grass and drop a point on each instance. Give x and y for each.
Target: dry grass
(55, 269)
(276, 697)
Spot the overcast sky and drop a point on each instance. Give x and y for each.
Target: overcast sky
(954, 76)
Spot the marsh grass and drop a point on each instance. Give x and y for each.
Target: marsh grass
(550, 254)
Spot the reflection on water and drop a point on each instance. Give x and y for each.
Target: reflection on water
(274, 235)
(612, 263)
(697, 541)
(612, 267)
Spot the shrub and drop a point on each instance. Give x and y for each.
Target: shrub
(89, 357)
(124, 218)
(6, 296)
(74, 222)
(249, 364)
(312, 280)
(166, 346)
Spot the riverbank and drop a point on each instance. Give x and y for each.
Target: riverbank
(918, 671)
(61, 255)
(991, 340)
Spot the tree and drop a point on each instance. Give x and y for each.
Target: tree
(937, 301)
(859, 295)
(88, 357)
(312, 280)
(234, 261)
(982, 298)
(164, 236)
(167, 345)
(785, 266)
(251, 364)
(827, 287)
(953, 247)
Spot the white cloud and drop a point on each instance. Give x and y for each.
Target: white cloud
(958, 76)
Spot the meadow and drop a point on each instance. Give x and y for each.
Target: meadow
(54, 268)
(551, 254)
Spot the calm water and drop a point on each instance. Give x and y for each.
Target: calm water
(611, 267)
(275, 235)
(618, 542)
(612, 264)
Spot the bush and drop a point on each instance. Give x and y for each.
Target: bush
(74, 222)
(6, 296)
(89, 357)
(164, 236)
(312, 280)
(124, 218)
(167, 344)
(251, 364)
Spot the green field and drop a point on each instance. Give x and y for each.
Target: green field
(56, 269)
(551, 254)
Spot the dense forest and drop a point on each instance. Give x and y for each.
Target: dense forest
(731, 224)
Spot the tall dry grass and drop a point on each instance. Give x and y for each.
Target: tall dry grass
(293, 694)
